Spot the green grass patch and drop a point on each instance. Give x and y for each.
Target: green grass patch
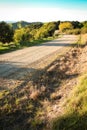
(5, 48)
(75, 117)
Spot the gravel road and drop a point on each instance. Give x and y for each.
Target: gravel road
(14, 61)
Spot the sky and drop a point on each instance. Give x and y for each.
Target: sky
(43, 10)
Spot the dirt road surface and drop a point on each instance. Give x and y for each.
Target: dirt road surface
(13, 62)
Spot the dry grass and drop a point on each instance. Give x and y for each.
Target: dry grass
(55, 96)
(35, 94)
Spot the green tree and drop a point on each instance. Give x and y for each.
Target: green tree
(76, 24)
(33, 34)
(65, 26)
(51, 27)
(6, 33)
(22, 35)
(46, 30)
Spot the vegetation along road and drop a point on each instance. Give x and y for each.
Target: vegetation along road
(12, 62)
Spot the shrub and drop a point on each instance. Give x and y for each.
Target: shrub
(21, 36)
(65, 26)
(73, 31)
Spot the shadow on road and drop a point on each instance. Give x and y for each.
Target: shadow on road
(8, 70)
(55, 43)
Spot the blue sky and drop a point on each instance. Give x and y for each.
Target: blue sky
(44, 11)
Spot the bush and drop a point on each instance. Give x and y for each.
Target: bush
(21, 36)
(73, 31)
(63, 27)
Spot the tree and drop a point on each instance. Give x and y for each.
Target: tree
(6, 33)
(76, 24)
(22, 35)
(46, 30)
(65, 26)
(51, 27)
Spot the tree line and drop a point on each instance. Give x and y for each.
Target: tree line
(22, 32)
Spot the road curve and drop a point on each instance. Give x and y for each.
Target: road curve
(13, 61)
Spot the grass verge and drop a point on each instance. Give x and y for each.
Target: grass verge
(75, 116)
(4, 48)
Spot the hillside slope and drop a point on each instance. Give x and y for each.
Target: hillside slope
(46, 94)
